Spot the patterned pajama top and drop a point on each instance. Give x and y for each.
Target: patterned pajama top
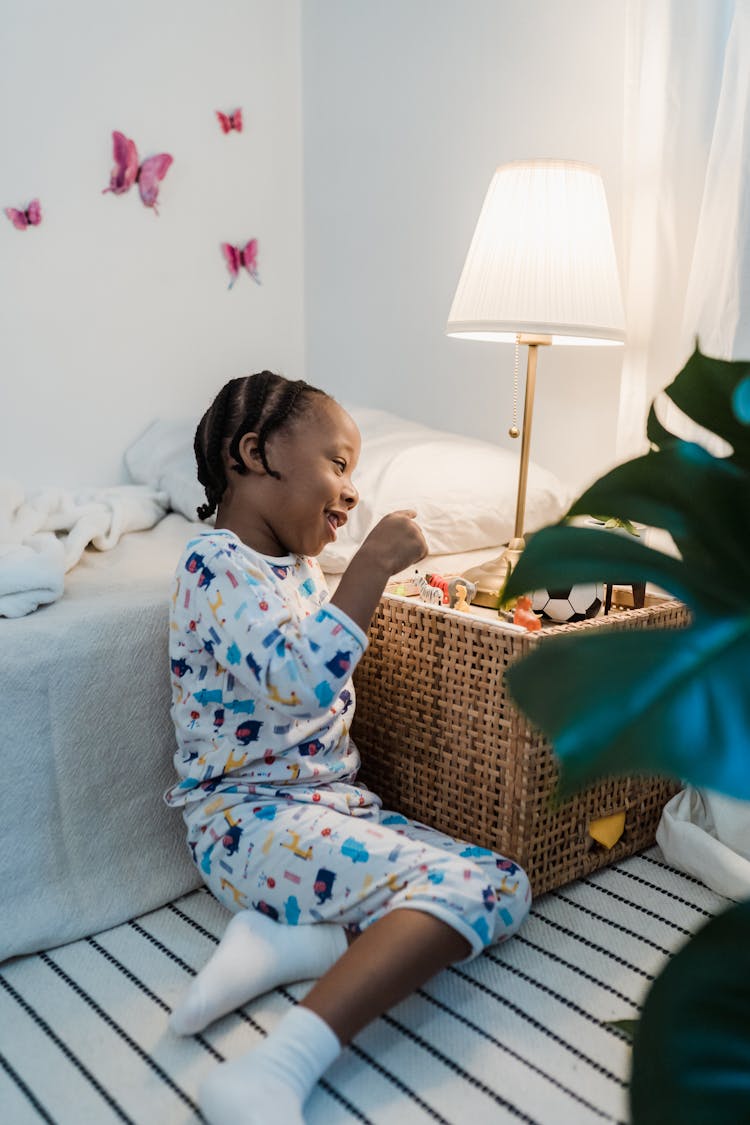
(262, 697)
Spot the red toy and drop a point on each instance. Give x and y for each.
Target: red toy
(441, 584)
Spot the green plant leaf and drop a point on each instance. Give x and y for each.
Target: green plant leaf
(626, 1026)
(656, 702)
(705, 390)
(561, 555)
(657, 434)
(691, 1055)
(699, 499)
(666, 701)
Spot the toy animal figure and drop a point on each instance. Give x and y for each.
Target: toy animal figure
(440, 583)
(460, 602)
(127, 171)
(31, 217)
(524, 615)
(470, 590)
(236, 257)
(433, 595)
(229, 121)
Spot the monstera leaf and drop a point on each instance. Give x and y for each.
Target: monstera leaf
(675, 702)
(656, 701)
(691, 1057)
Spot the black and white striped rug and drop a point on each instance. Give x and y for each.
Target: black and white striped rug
(520, 1034)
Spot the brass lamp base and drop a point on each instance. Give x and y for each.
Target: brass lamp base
(490, 577)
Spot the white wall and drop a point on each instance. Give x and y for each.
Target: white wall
(408, 107)
(110, 316)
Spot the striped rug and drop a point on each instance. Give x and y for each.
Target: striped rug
(520, 1034)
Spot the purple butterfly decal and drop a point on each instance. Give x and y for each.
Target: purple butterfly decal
(127, 171)
(229, 121)
(31, 217)
(236, 257)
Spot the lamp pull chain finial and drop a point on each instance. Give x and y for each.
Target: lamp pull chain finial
(513, 430)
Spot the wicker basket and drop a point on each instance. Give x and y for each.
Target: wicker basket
(442, 744)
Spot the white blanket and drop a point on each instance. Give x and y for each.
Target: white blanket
(44, 533)
(708, 835)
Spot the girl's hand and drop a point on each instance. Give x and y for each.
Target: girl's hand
(392, 545)
(395, 543)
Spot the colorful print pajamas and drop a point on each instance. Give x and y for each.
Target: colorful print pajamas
(302, 863)
(262, 704)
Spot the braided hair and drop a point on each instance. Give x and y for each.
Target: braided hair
(263, 403)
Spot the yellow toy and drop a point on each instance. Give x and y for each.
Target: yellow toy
(461, 602)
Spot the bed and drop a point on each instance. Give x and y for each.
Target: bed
(85, 727)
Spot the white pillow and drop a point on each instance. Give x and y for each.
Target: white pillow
(164, 452)
(464, 490)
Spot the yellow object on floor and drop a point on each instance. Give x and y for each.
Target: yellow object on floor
(607, 830)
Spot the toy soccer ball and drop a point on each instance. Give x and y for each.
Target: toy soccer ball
(575, 603)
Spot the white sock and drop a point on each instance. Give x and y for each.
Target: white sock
(269, 1085)
(255, 955)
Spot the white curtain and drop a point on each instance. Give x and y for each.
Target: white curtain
(686, 207)
(686, 157)
(717, 305)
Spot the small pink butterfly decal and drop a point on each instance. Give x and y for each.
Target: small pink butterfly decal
(127, 171)
(229, 121)
(236, 257)
(31, 217)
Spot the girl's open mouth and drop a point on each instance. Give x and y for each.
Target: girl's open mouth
(335, 521)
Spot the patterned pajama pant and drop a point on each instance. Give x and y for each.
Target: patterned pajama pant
(300, 863)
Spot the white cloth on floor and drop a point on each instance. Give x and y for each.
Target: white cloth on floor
(708, 835)
(43, 535)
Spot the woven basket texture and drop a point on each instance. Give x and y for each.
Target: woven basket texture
(442, 743)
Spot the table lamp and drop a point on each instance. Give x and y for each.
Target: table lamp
(541, 269)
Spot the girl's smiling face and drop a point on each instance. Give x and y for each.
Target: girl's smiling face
(301, 512)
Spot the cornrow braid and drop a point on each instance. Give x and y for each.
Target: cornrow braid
(256, 391)
(207, 448)
(284, 410)
(265, 403)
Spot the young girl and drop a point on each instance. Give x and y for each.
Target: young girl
(284, 837)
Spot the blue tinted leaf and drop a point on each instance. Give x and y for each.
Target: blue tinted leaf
(704, 390)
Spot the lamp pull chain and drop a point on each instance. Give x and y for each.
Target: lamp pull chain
(513, 430)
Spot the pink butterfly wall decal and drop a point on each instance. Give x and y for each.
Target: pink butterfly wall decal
(31, 217)
(127, 171)
(236, 256)
(229, 121)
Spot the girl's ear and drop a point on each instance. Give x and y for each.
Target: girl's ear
(249, 453)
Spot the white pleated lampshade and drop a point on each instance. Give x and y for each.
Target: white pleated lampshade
(542, 259)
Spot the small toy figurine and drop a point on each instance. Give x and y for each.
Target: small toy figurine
(433, 595)
(524, 615)
(461, 603)
(440, 583)
(470, 589)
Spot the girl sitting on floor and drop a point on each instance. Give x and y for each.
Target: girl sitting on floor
(323, 883)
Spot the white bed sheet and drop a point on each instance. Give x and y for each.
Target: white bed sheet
(87, 744)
